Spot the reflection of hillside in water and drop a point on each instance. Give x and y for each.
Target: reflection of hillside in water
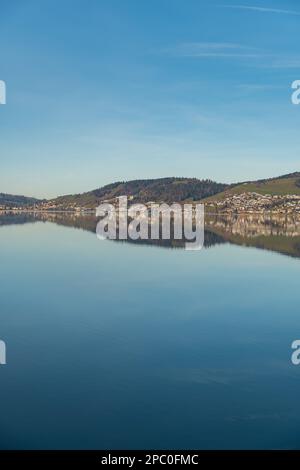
(89, 222)
(254, 225)
(279, 233)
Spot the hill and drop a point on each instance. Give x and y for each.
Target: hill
(10, 200)
(282, 185)
(167, 190)
(160, 190)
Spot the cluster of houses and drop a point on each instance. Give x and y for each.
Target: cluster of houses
(251, 202)
(57, 206)
(9, 207)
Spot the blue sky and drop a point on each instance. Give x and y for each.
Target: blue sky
(106, 90)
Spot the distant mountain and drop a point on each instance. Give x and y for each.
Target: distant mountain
(160, 190)
(10, 200)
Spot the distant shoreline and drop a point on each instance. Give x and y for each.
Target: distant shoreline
(207, 212)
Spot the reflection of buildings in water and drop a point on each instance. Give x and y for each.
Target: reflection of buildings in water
(279, 233)
(255, 225)
(245, 225)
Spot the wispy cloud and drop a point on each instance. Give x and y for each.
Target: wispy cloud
(251, 87)
(213, 49)
(264, 9)
(225, 50)
(283, 63)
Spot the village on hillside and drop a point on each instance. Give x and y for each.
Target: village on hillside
(251, 202)
(247, 202)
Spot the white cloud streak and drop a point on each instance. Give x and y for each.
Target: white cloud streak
(263, 9)
(224, 50)
(213, 49)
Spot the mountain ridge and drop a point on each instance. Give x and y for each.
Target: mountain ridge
(168, 189)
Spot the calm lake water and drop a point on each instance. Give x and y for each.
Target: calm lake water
(123, 345)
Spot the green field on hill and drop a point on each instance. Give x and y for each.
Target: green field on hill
(277, 186)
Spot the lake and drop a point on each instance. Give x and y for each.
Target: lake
(118, 345)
